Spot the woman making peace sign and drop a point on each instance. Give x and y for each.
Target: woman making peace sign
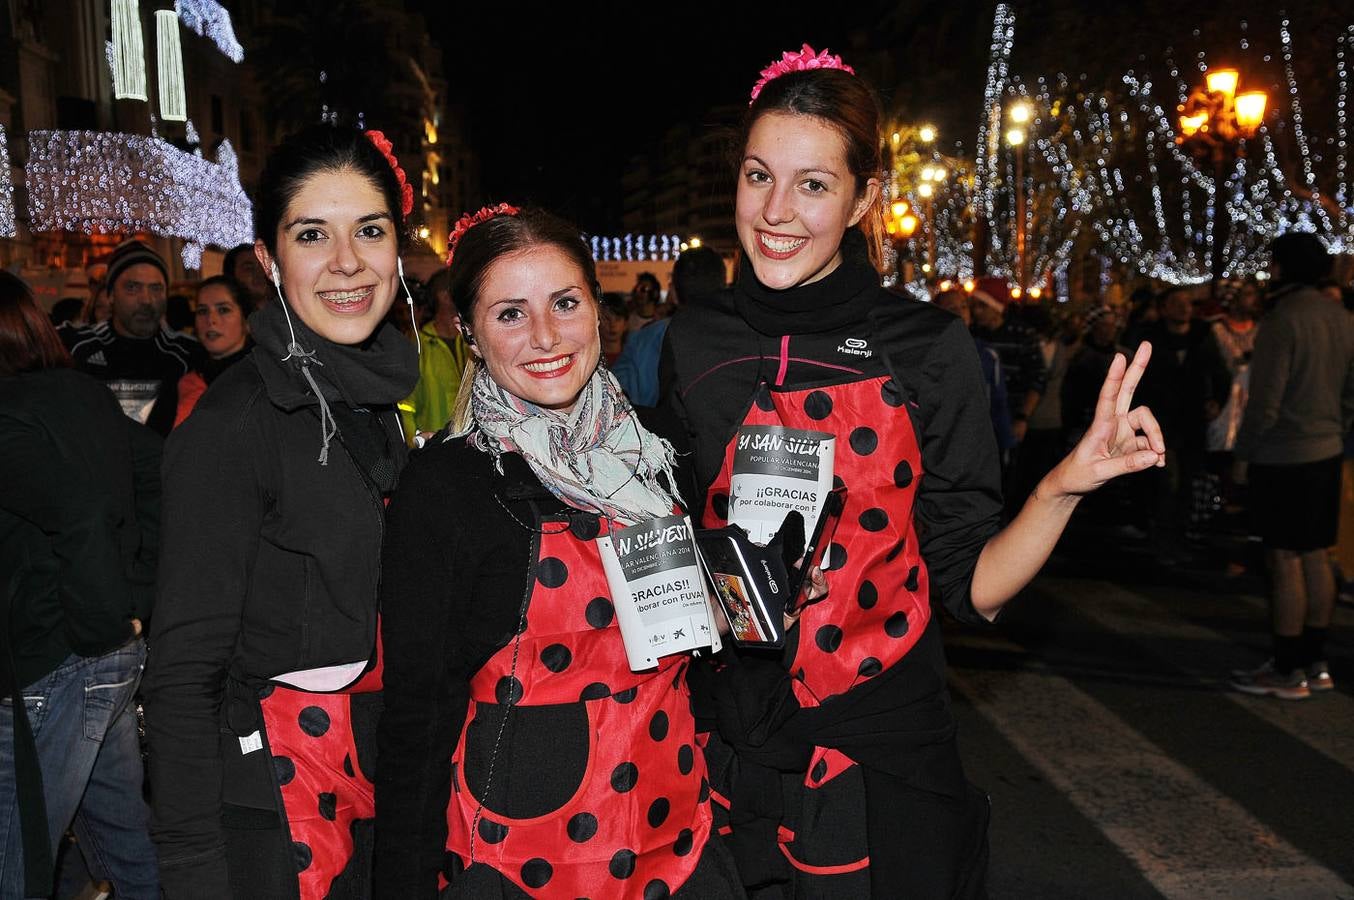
(848, 781)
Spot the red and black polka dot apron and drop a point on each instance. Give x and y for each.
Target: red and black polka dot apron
(633, 816)
(878, 601)
(324, 790)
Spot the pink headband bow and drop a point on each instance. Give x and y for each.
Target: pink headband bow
(470, 220)
(387, 149)
(805, 59)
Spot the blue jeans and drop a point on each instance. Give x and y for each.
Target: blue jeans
(84, 723)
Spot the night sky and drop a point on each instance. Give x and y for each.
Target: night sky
(556, 101)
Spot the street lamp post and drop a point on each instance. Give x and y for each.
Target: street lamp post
(1215, 122)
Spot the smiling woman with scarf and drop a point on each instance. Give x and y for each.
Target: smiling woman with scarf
(263, 680)
(519, 754)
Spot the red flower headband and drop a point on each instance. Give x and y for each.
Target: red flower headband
(470, 220)
(798, 62)
(387, 149)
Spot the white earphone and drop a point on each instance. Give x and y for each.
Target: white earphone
(409, 299)
(277, 276)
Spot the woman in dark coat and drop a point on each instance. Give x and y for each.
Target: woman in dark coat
(261, 694)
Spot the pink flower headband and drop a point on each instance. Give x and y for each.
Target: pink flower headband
(799, 62)
(470, 220)
(387, 149)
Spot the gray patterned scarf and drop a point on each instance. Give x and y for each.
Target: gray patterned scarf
(597, 458)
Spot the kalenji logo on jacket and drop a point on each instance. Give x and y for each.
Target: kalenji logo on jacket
(855, 347)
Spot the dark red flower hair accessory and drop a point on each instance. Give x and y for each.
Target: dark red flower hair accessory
(470, 220)
(387, 149)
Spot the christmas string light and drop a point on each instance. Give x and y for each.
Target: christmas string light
(169, 59)
(635, 248)
(989, 126)
(129, 55)
(1299, 134)
(211, 20)
(103, 182)
(7, 228)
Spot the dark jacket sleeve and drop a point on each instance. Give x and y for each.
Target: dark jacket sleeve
(212, 515)
(958, 504)
(424, 704)
(80, 520)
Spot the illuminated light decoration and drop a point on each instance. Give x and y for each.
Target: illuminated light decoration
(211, 20)
(638, 248)
(169, 60)
(6, 190)
(190, 134)
(989, 127)
(1299, 134)
(103, 182)
(129, 54)
(192, 256)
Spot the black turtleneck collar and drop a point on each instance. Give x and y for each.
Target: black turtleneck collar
(380, 371)
(843, 296)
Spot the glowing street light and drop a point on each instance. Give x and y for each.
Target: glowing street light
(1020, 112)
(1215, 122)
(927, 133)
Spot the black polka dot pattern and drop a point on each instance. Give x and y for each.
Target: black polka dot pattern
(896, 626)
(552, 572)
(835, 558)
(492, 832)
(582, 827)
(348, 765)
(895, 550)
(686, 759)
(913, 578)
(868, 595)
(556, 658)
(874, 519)
(864, 440)
(626, 695)
(657, 890)
(314, 721)
(328, 805)
(600, 612)
(595, 691)
(284, 768)
(658, 726)
(902, 474)
(818, 405)
(685, 840)
(301, 853)
(869, 667)
(622, 864)
(658, 812)
(624, 777)
(536, 873)
(508, 690)
(828, 638)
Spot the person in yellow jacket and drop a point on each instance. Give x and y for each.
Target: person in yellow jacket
(440, 365)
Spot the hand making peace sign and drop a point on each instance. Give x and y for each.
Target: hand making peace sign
(1121, 439)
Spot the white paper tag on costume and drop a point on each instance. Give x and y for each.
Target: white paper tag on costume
(777, 470)
(251, 742)
(662, 606)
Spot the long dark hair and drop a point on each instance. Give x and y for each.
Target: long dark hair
(28, 340)
(845, 103)
(315, 149)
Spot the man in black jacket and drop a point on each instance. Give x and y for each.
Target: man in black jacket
(134, 352)
(1186, 386)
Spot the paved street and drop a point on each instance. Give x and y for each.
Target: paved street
(1098, 717)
